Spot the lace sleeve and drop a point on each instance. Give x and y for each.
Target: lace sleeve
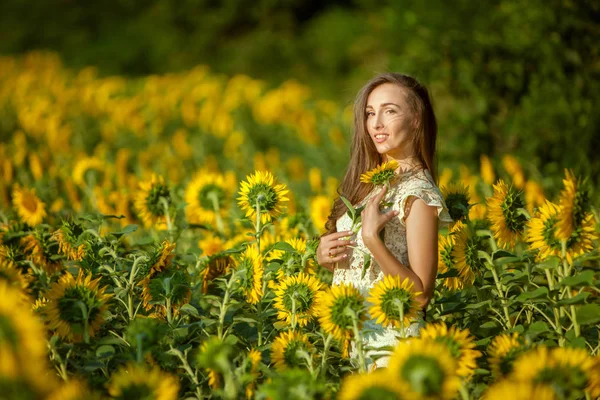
(431, 196)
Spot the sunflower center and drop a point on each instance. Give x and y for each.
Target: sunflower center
(382, 177)
(338, 311)
(446, 255)
(548, 233)
(377, 392)
(30, 202)
(292, 359)
(424, 375)
(393, 300)
(510, 210)
(153, 199)
(458, 205)
(303, 296)
(471, 254)
(451, 345)
(7, 332)
(211, 196)
(69, 305)
(506, 363)
(138, 391)
(581, 203)
(263, 195)
(563, 378)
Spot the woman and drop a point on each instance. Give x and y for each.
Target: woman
(393, 120)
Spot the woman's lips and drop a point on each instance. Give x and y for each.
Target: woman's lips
(380, 137)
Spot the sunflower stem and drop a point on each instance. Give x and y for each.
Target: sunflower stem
(362, 367)
(556, 313)
(326, 346)
(257, 225)
(567, 269)
(492, 268)
(294, 310)
(224, 306)
(165, 205)
(215, 202)
(83, 308)
(464, 394)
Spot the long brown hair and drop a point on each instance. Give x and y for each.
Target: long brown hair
(363, 153)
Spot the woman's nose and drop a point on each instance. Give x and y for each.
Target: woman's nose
(376, 122)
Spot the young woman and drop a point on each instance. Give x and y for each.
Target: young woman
(393, 120)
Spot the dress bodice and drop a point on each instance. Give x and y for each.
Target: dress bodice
(412, 184)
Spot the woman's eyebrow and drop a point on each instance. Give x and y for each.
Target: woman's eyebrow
(384, 104)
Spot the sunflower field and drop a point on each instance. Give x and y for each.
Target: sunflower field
(158, 238)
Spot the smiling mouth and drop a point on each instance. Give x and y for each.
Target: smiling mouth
(380, 137)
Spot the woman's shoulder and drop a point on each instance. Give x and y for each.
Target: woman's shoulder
(414, 179)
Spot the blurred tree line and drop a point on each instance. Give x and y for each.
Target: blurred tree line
(507, 76)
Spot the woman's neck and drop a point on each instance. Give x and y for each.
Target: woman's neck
(406, 163)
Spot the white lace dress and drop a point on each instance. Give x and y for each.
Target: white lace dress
(413, 183)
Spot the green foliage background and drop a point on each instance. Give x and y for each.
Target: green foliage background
(507, 76)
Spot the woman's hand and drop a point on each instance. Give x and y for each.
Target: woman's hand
(374, 220)
(333, 248)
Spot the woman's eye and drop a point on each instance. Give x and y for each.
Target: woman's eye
(389, 111)
(370, 113)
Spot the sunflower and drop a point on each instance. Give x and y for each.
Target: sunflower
(251, 262)
(73, 390)
(382, 174)
(460, 343)
(12, 276)
(541, 234)
(254, 358)
(466, 256)
(152, 285)
(215, 356)
(394, 301)
(135, 381)
(206, 197)
(29, 207)
(376, 386)
(446, 261)
(295, 299)
(502, 352)
(67, 237)
(76, 306)
(515, 390)
(504, 212)
(85, 165)
(338, 308)
(534, 195)
(427, 367)
(148, 204)
(320, 208)
(260, 190)
(572, 203)
(487, 170)
(295, 261)
(285, 347)
(568, 370)
(211, 245)
(35, 246)
(512, 166)
(22, 340)
(457, 199)
(214, 267)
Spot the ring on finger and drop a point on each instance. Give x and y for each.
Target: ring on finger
(330, 254)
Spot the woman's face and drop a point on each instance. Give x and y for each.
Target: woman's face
(389, 121)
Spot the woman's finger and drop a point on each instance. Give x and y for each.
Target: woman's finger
(337, 235)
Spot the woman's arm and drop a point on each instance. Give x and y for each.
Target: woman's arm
(421, 237)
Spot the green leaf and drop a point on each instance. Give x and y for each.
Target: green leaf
(485, 256)
(539, 293)
(105, 351)
(285, 247)
(189, 310)
(585, 278)
(478, 305)
(588, 314)
(502, 253)
(578, 299)
(350, 208)
(489, 325)
(538, 327)
(366, 265)
(128, 229)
